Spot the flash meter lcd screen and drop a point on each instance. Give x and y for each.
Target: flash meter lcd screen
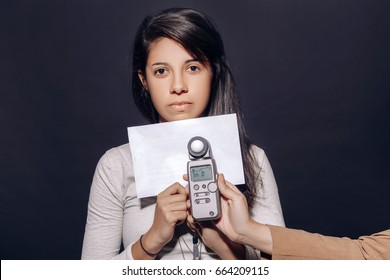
(201, 173)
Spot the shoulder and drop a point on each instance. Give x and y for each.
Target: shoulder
(262, 161)
(117, 158)
(258, 154)
(121, 152)
(257, 150)
(115, 169)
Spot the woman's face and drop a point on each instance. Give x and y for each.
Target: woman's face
(179, 84)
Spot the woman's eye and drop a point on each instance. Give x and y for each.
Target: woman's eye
(193, 68)
(160, 72)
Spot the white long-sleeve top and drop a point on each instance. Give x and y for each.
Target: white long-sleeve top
(117, 218)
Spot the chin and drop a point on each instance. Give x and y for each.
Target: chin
(178, 117)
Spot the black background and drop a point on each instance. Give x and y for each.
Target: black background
(314, 81)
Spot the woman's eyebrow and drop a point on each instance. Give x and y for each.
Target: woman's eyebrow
(160, 63)
(192, 60)
(167, 64)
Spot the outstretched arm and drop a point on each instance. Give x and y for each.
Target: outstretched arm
(285, 243)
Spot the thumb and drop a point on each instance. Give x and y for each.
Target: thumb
(229, 191)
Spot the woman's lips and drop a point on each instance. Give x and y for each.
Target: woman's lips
(180, 105)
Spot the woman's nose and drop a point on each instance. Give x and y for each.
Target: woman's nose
(178, 85)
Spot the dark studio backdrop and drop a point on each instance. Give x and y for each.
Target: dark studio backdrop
(314, 82)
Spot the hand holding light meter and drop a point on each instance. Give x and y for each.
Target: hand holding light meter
(202, 175)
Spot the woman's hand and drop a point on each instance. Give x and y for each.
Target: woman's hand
(171, 210)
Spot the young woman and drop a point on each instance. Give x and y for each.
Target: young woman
(179, 72)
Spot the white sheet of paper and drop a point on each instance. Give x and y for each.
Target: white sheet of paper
(160, 155)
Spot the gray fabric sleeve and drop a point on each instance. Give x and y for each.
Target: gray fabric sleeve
(103, 231)
(266, 208)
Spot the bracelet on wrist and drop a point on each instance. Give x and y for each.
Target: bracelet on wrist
(146, 251)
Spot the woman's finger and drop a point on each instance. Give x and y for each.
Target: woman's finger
(175, 188)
